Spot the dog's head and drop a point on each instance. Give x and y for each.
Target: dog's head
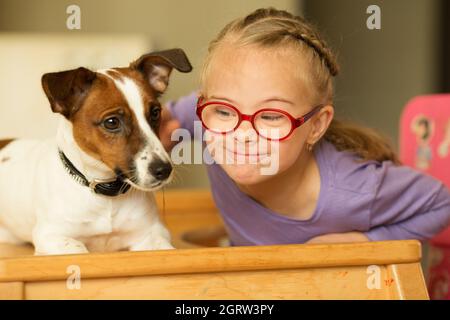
(115, 113)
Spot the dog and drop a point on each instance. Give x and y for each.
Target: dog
(90, 188)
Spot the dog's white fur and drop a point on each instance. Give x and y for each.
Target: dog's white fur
(42, 204)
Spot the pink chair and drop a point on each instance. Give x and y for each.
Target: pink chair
(425, 146)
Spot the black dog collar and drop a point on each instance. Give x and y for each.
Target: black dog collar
(109, 188)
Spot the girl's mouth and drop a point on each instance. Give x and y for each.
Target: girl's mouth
(236, 153)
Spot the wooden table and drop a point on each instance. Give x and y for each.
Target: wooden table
(200, 269)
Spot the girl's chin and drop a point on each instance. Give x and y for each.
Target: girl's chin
(245, 173)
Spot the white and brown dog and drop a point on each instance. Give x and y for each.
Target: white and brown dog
(87, 189)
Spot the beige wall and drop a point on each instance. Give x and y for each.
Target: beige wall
(169, 23)
(381, 69)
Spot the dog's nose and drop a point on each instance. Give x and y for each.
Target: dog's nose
(160, 170)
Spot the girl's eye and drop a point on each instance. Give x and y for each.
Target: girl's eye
(223, 112)
(112, 124)
(271, 117)
(155, 114)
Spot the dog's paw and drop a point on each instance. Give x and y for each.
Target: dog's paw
(165, 246)
(60, 246)
(152, 244)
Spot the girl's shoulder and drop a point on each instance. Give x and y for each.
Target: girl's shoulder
(387, 188)
(347, 171)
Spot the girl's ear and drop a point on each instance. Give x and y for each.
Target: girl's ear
(157, 66)
(320, 123)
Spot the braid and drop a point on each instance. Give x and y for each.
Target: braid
(320, 48)
(295, 27)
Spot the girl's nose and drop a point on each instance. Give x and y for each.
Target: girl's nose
(245, 132)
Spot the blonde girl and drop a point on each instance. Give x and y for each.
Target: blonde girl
(336, 182)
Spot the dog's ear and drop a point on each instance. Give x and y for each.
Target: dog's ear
(157, 66)
(66, 90)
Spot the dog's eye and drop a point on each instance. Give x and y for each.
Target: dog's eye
(112, 124)
(155, 113)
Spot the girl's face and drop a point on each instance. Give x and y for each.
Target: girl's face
(251, 79)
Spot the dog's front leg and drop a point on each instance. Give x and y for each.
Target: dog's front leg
(49, 243)
(154, 237)
(56, 245)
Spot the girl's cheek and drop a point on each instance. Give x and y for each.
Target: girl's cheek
(290, 150)
(286, 156)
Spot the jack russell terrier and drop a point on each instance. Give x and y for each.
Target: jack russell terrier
(87, 189)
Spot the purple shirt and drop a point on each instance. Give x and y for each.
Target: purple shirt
(384, 201)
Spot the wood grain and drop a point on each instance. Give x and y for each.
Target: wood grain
(204, 260)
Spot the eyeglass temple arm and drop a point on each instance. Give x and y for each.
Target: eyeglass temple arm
(303, 119)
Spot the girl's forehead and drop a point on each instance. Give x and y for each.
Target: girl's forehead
(256, 74)
(248, 56)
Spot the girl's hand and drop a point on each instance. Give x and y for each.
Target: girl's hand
(167, 126)
(339, 238)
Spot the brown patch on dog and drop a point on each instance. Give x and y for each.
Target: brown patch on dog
(116, 150)
(5, 142)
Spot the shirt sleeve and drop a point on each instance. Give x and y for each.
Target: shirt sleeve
(183, 110)
(408, 205)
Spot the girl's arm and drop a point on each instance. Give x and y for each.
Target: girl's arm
(340, 238)
(183, 110)
(408, 205)
(179, 114)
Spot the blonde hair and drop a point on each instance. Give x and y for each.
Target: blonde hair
(270, 28)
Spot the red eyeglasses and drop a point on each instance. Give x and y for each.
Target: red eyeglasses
(271, 124)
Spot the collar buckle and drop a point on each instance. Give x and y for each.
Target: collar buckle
(93, 184)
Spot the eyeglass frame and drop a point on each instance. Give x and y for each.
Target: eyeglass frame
(295, 122)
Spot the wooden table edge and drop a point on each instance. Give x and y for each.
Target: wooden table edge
(206, 260)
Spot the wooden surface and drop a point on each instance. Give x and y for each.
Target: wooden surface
(406, 288)
(191, 215)
(208, 260)
(331, 271)
(320, 283)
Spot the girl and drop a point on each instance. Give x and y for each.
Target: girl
(335, 182)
